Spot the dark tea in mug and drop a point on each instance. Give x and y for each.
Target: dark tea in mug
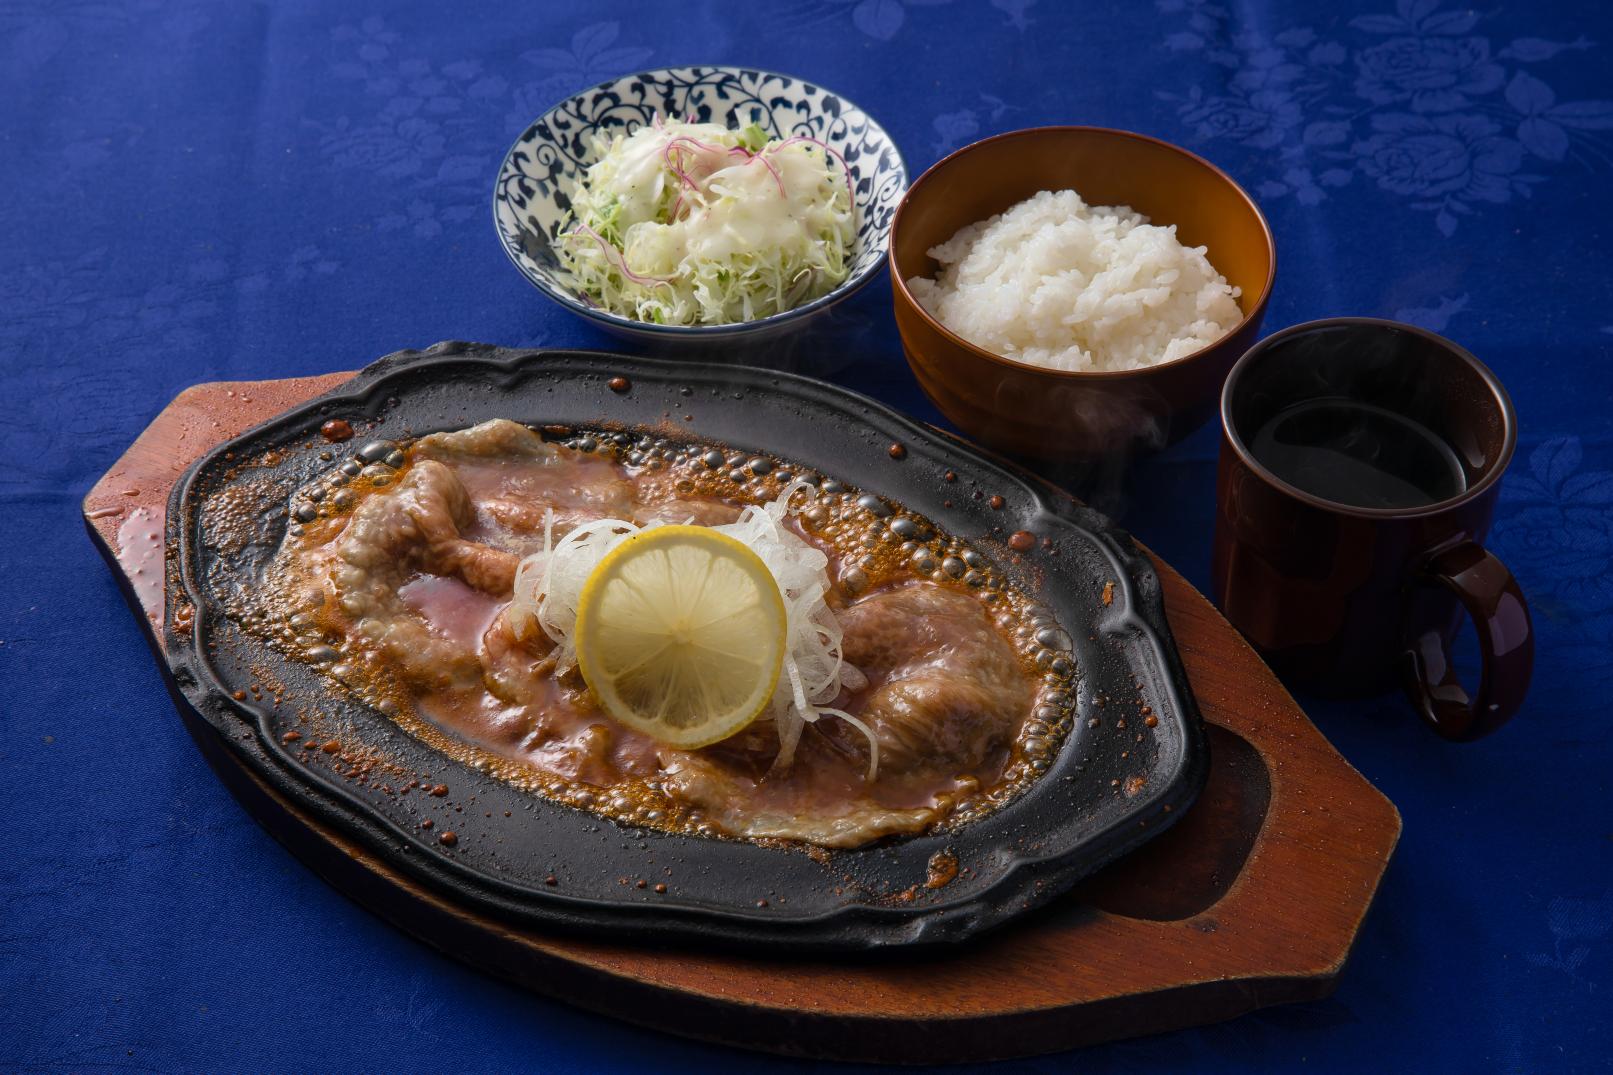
(1359, 454)
(1360, 463)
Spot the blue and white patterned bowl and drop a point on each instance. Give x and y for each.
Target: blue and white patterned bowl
(530, 200)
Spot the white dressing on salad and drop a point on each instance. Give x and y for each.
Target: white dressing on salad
(695, 224)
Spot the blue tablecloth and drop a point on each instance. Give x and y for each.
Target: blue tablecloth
(203, 190)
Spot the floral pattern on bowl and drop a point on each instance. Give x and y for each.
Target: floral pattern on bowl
(530, 201)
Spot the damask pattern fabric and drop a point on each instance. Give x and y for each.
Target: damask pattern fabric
(230, 190)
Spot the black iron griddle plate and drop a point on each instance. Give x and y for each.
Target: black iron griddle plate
(1077, 817)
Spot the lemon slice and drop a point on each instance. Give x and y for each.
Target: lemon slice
(681, 633)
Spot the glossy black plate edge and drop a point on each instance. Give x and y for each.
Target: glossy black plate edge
(1034, 880)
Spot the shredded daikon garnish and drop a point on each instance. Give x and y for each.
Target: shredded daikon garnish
(549, 585)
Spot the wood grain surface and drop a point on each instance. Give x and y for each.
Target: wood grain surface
(1253, 898)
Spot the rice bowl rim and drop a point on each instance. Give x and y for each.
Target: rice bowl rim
(1249, 314)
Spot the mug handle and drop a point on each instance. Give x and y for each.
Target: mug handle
(1492, 598)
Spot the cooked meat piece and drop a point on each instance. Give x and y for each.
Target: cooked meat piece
(947, 691)
(946, 696)
(514, 669)
(482, 566)
(513, 478)
(945, 688)
(523, 516)
(830, 819)
(500, 439)
(413, 528)
(599, 496)
(417, 526)
(698, 512)
(750, 751)
(513, 498)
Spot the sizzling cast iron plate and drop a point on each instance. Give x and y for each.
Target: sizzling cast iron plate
(1074, 819)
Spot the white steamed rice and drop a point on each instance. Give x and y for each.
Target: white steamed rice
(1056, 282)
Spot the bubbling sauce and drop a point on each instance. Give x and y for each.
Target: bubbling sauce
(396, 573)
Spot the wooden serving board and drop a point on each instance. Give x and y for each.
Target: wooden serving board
(1253, 898)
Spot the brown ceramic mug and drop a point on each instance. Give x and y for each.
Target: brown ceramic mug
(1360, 464)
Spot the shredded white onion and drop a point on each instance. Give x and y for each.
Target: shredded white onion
(549, 584)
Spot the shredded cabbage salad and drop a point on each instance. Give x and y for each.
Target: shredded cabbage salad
(549, 585)
(684, 223)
